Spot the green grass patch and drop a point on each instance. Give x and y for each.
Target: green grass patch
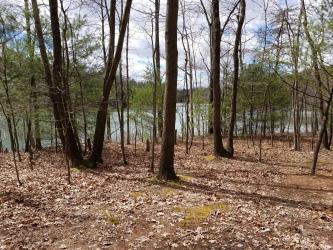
(209, 157)
(155, 180)
(152, 179)
(166, 192)
(185, 177)
(197, 214)
(174, 184)
(75, 169)
(109, 217)
(136, 194)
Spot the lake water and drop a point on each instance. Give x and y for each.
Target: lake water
(143, 120)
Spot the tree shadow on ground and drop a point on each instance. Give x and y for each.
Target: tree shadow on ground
(320, 166)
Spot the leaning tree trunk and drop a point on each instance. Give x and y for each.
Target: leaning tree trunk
(111, 70)
(315, 63)
(323, 128)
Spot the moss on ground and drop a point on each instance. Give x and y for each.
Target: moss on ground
(197, 214)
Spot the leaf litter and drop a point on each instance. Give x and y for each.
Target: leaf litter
(217, 204)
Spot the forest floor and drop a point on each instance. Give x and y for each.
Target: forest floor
(236, 203)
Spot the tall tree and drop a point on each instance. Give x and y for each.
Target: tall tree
(110, 75)
(215, 77)
(158, 64)
(33, 102)
(236, 54)
(314, 57)
(166, 169)
(64, 123)
(219, 150)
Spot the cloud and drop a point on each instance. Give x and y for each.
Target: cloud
(140, 51)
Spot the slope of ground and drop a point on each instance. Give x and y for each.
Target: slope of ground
(236, 203)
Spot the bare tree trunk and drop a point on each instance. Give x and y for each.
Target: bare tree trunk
(120, 111)
(110, 74)
(156, 79)
(315, 51)
(187, 104)
(33, 100)
(166, 170)
(12, 143)
(158, 65)
(103, 4)
(323, 128)
(241, 19)
(215, 78)
(122, 101)
(54, 81)
(127, 92)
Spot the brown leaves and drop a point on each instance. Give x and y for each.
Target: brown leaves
(270, 204)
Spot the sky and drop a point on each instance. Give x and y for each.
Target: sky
(140, 44)
(140, 51)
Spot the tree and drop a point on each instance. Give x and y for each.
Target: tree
(33, 103)
(325, 92)
(110, 75)
(158, 64)
(57, 91)
(219, 150)
(166, 169)
(236, 54)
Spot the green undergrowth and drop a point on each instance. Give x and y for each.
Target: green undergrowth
(198, 214)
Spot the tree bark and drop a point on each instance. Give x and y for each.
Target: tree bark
(238, 37)
(62, 117)
(219, 150)
(166, 169)
(110, 74)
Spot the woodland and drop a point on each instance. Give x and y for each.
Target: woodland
(166, 124)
